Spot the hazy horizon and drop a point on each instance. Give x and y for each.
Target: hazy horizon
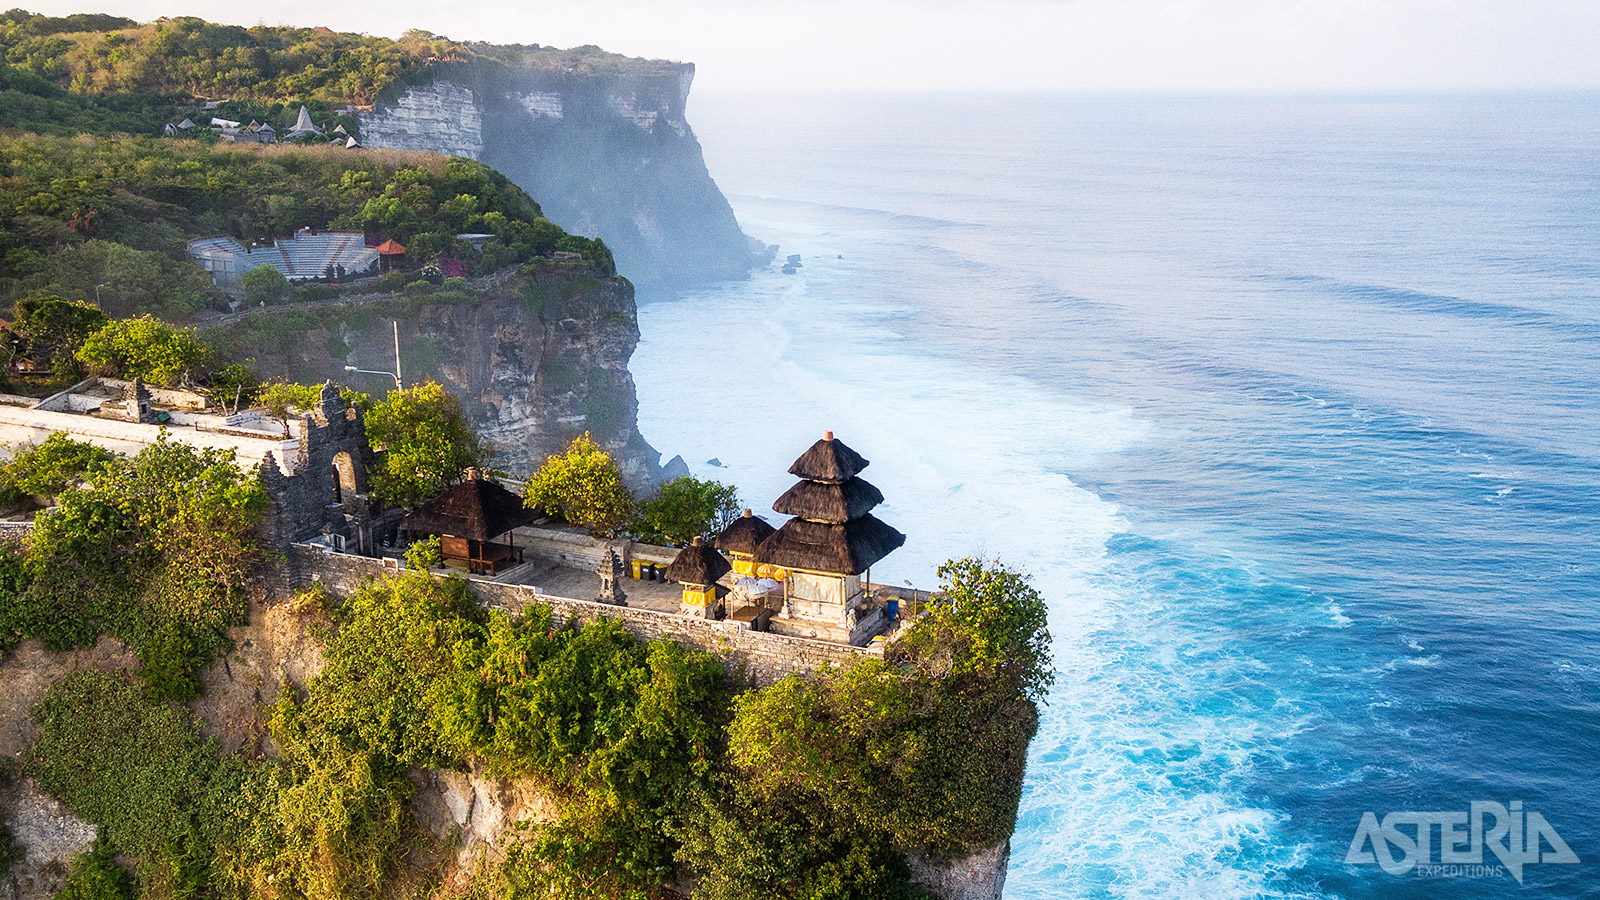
(1133, 46)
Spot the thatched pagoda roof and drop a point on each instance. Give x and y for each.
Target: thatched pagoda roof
(475, 509)
(828, 460)
(828, 501)
(744, 535)
(848, 549)
(699, 563)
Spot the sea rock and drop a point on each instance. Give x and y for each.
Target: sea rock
(674, 469)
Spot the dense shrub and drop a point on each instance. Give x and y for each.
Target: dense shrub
(155, 550)
(823, 783)
(264, 285)
(49, 330)
(145, 348)
(94, 875)
(49, 468)
(686, 508)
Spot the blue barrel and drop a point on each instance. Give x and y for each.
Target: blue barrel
(894, 609)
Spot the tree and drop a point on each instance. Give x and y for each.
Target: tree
(686, 508)
(583, 486)
(264, 284)
(426, 441)
(145, 348)
(280, 400)
(50, 468)
(55, 327)
(995, 621)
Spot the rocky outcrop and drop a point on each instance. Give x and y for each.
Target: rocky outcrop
(475, 813)
(534, 360)
(48, 835)
(981, 876)
(605, 149)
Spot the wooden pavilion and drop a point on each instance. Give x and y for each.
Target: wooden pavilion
(391, 254)
(698, 567)
(467, 517)
(740, 539)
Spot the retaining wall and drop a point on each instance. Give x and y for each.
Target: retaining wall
(756, 659)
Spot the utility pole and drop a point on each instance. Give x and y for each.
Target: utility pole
(398, 384)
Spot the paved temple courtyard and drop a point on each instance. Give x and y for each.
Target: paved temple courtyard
(581, 584)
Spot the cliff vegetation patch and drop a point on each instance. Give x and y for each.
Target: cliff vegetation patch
(106, 221)
(813, 788)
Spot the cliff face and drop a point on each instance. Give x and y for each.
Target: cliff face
(606, 150)
(534, 361)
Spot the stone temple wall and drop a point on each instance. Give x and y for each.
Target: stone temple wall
(755, 659)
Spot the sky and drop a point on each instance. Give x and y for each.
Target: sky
(1054, 45)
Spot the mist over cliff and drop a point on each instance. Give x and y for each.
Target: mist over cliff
(605, 148)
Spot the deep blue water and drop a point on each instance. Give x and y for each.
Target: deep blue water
(1291, 406)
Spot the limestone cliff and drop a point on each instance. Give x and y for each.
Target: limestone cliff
(535, 360)
(600, 141)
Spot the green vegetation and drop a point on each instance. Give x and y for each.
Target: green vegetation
(49, 330)
(808, 789)
(154, 549)
(283, 400)
(49, 469)
(582, 485)
(106, 221)
(187, 57)
(923, 749)
(264, 285)
(145, 348)
(94, 875)
(102, 74)
(685, 508)
(427, 444)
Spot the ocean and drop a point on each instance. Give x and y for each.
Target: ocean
(1289, 405)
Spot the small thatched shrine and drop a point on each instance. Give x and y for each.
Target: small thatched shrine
(467, 517)
(740, 540)
(698, 567)
(830, 543)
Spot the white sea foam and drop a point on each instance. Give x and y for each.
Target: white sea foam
(976, 463)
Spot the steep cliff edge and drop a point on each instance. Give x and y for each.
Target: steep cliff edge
(601, 141)
(535, 358)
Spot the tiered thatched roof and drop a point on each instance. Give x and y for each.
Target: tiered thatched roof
(828, 460)
(832, 529)
(475, 509)
(848, 549)
(699, 564)
(744, 535)
(827, 501)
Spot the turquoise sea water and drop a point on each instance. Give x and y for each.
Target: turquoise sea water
(1288, 404)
